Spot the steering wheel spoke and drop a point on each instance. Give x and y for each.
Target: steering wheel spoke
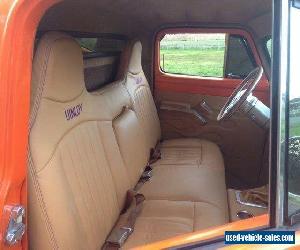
(240, 94)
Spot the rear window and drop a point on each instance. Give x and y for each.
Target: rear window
(87, 44)
(95, 44)
(101, 45)
(101, 58)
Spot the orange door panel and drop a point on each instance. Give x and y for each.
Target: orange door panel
(212, 86)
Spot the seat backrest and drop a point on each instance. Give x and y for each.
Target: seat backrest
(127, 130)
(77, 177)
(140, 92)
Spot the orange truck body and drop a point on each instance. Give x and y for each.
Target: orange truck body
(19, 20)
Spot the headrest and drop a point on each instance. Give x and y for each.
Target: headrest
(135, 61)
(131, 60)
(58, 68)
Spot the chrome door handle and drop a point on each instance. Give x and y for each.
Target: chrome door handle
(199, 116)
(206, 107)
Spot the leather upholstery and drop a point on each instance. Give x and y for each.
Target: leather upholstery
(188, 184)
(135, 61)
(195, 152)
(142, 100)
(162, 219)
(76, 194)
(87, 149)
(132, 146)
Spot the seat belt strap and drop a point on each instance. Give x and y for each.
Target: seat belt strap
(146, 176)
(155, 154)
(125, 224)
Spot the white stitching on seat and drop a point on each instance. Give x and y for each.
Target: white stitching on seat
(42, 205)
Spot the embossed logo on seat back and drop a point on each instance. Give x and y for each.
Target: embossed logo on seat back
(138, 80)
(73, 112)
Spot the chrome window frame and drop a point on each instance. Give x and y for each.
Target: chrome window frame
(279, 142)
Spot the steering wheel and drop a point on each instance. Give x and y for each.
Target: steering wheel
(240, 94)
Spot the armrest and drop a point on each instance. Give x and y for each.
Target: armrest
(182, 107)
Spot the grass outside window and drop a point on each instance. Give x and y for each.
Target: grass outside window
(193, 54)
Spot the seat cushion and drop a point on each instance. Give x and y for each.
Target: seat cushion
(162, 219)
(178, 183)
(182, 143)
(190, 152)
(190, 170)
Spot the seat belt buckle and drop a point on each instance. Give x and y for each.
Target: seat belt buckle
(119, 236)
(155, 155)
(148, 168)
(146, 175)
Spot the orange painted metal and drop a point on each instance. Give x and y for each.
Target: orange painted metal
(252, 223)
(204, 85)
(18, 23)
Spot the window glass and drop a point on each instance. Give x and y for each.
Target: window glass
(110, 44)
(269, 46)
(87, 44)
(239, 58)
(193, 54)
(206, 55)
(100, 45)
(294, 115)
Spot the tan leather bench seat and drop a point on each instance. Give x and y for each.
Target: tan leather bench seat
(169, 182)
(87, 149)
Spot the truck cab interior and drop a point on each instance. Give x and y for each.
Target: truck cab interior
(148, 120)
